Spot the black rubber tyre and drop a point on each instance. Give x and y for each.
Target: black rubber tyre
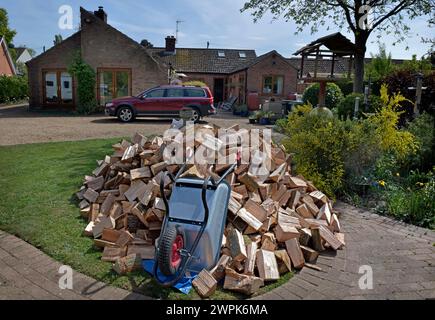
(125, 114)
(165, 251)
(196, 115)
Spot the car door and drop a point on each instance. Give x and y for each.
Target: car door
(151, 102)
(174, 101)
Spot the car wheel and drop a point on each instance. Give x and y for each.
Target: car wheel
(125, 114)
(196, 116)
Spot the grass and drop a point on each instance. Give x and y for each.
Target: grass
(37, 204)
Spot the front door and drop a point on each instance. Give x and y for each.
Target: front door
(218, 91)
(112, 84)
(58, 88)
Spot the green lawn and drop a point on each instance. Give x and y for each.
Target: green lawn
(37, 203)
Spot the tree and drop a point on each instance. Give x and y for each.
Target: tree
(5, 31)
(362, 18)
(146, 43)
(57, 39)
(381, 65)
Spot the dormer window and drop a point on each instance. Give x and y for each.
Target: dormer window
(242, 54)
(221, 54)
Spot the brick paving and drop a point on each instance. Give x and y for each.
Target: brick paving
(401, 256)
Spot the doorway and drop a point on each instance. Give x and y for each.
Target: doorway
(218, 91)
(112, 84)
(58, 88)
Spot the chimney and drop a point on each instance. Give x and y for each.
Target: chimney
(101, 14)
(170, 44)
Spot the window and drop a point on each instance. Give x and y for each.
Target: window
(273, 84)
(113, 83)
(221, 54)
(175, 93)
(158, 93)
(58, 87)
(242, 54)
(195, 93)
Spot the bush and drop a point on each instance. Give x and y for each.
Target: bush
(346, 107)
(423, 128)
(333, 95)
(86, 82)
(13, 88)
(345, 85)
(195, 83)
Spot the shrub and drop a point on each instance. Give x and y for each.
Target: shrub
(345, 85)
(346, 107)
(13, 88)
(195, 83)
(333, 95)
(86, 82)
(423, 128)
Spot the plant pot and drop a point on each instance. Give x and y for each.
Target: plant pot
(264, 121)
(236, 113)
(244, 113)
(252, 121)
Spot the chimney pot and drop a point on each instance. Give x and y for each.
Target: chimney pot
(101, 14)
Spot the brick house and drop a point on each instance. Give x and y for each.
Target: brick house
(124, 67)
(7, 66)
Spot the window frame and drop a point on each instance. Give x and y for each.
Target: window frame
(114, 80)
(273, 83)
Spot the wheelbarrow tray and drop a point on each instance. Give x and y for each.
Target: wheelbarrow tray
(187, 214)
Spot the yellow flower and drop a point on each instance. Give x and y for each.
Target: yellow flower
(397, 174)
(382, 183)
(420, 184)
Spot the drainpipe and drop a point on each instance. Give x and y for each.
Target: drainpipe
(246, 86)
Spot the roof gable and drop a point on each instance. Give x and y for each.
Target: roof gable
(4, 45)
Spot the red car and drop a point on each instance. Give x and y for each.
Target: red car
(164, 101)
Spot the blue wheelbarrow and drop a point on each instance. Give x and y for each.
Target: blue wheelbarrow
(192, 230)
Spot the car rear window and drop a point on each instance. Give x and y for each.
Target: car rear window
(175, 93)
(158, 93)
(195, 93)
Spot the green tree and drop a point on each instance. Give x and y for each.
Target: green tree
(389, 16)
(57, 39)
(381, 65)
(5, 30)
(146, 43)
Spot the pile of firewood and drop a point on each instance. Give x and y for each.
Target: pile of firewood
(276, 223)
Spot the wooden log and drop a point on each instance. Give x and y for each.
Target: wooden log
(107, 204)
(101, 224)
(99, 243)
(242, 283)
(158, 167)
(296, 182)
(88, 230)
(233, 205)
(140, 173)
(129, 154)
(218, 272)
(279, 193)
(101, 170)
(329, 237)
(313, 266)
(284, 260)
(304, 211)
(159, 204)
(124, 239)
(256, 210)
(285, 231)
(294, 199)
(111, 254)
(91, 195)
(96, 183)
(310, 255)
(340, 237)
(309, 202)
(268, 241)
(335, 223)
(305, 236)
(249, 219)
(316, 239)
(145, 252)
(250, 261)
(116, 210)
(110, 235)
(278, 174)
(83, 204)
(295, 253)
(137, 187)
(267, 265)
(325, 213)
(242, 190)
(205, 284)
(319, 196)
(236, 245)
(248, 181)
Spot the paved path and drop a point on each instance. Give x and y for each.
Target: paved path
(402, 258)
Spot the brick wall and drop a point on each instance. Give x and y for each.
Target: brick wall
(5, 67)
(272, 65)
(207, 78)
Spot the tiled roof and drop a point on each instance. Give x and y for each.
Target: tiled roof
(205, 60)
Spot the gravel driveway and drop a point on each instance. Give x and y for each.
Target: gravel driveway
(19, 126)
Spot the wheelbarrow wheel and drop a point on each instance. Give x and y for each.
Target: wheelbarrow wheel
(169, 258)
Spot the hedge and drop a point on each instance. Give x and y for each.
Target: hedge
(13, 88)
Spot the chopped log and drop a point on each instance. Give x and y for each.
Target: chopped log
(107, 204)
(83, 204)
(242, 191)
(205, 284)
(159, 204)
(96, 183)
(335, 223)
(267, 265)
(116, 210)
(325, 213)
(140, 173)
(110, 235)
(91, 195)
(285, 231)
(305, 236)
(279, 193)
(248, 181)
(101, 170)
(316, 239)
(329, 237)
(241, 169)
(309, 202)
(137, 187)
(295, 253)
(111, 254)
(340, 237)
(99, 243)
(304, 211)
(282, 256)
(158, 167)
(296, 182)
(250, 261)
(294, 199)
(233, 205)
(278, 173)
(236, 245)
(129, 153)
(218, 272)
(250, 219)
(85, 213)
(319, 196)
(193, 172)
(124, 239)
(256, 210)
(145, 252)
(88, 230)
(242, 283)
(310, 255)
(268, 241)
(266, 225)
(101, 224)
(313, 266)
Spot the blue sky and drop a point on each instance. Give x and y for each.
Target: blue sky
(217, 21)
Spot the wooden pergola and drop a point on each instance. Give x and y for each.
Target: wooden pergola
(330, 48)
